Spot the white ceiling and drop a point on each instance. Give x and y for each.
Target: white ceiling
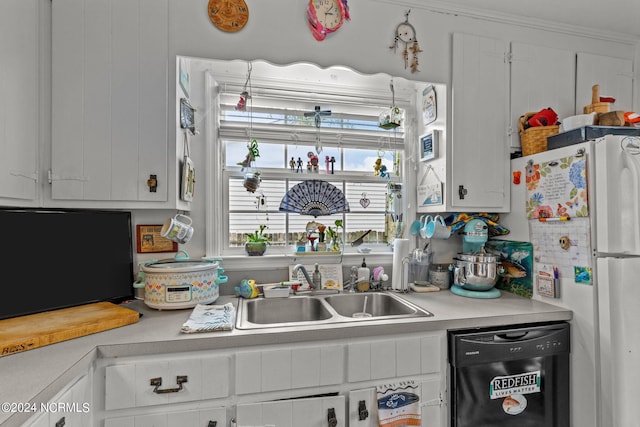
(615, 16)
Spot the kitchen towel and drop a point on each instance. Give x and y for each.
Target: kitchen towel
(457, 221)
(210, 318)
(400, 276)
(398, 404)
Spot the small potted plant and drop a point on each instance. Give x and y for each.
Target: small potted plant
(257, 242)
(334, 236)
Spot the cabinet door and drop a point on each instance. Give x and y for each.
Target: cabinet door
(20, 31)
(433, 406)
(109, 100)
(541, 77)
(479, 165)
(614, 75)
(363, 408)
(40, 420)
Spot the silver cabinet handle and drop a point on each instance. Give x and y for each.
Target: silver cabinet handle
(157, 382)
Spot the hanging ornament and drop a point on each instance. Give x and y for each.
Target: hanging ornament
(251, 180)
(252, 153)
(392, 117)
(242, 103)
(364, 201)
(406, 34)
(379, 168)
(244, 96)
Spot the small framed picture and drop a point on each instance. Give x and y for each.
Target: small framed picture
(429, 145)
(429, 108)
(184, 76)
(149, 239)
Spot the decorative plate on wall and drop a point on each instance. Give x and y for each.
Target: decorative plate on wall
(228, 15)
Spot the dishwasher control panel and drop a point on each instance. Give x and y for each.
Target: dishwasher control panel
(467, 347)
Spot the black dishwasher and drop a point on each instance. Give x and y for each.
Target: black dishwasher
(512, 376)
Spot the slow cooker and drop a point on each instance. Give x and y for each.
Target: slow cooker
(181, 282)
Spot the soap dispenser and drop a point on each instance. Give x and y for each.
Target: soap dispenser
(364, 275)
(317, 278)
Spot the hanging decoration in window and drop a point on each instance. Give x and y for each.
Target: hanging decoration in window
(379, 168)
(314, 197)
(392, 117)
(406, 34)
(252, 178)
(317, 115)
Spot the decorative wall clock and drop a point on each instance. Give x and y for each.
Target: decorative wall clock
(326, 16)
(406, 34)
(228, 15)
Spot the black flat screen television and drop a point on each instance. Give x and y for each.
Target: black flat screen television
(57, 258)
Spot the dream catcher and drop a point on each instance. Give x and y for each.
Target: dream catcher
(406, 34)
(314, 197)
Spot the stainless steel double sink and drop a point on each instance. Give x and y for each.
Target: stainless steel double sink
(311, 310)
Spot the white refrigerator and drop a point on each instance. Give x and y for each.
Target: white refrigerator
(605, 372)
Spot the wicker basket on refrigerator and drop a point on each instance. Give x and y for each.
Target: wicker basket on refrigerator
(534, 139)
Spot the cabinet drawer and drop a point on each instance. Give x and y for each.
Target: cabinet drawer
(166, 381)
(204, 418)
(285, 368)
(391, 358)
(312, 412)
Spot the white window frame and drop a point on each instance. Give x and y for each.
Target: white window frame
(216, 177)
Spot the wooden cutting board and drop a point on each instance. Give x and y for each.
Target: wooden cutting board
(37, 330)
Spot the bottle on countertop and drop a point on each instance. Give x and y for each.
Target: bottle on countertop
(317, 278)
(364, 276)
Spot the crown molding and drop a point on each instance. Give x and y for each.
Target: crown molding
(435, 6)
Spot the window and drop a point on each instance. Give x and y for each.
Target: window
(347, 142)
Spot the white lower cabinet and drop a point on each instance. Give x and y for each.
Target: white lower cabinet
(71, 407)
(313, 384)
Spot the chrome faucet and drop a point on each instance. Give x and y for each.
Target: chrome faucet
(300, 267)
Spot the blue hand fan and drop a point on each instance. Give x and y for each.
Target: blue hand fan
(314, 197)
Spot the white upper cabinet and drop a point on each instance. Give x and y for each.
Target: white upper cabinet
(541, 77)
(109, 107)
(479, 165)
(20, 111)
(613, 75)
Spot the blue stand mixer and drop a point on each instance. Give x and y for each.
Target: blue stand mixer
(475, 272)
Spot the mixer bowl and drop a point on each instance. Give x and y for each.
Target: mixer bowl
(475, 276)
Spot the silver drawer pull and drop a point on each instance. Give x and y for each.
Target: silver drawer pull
(157, 382)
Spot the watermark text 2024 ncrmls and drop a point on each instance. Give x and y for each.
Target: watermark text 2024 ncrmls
(50, 407)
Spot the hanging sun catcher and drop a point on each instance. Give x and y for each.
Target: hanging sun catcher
(406, 34)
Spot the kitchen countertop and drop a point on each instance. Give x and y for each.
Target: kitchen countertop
(37, 375)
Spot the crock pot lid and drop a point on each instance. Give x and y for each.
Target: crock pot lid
(173, 265)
